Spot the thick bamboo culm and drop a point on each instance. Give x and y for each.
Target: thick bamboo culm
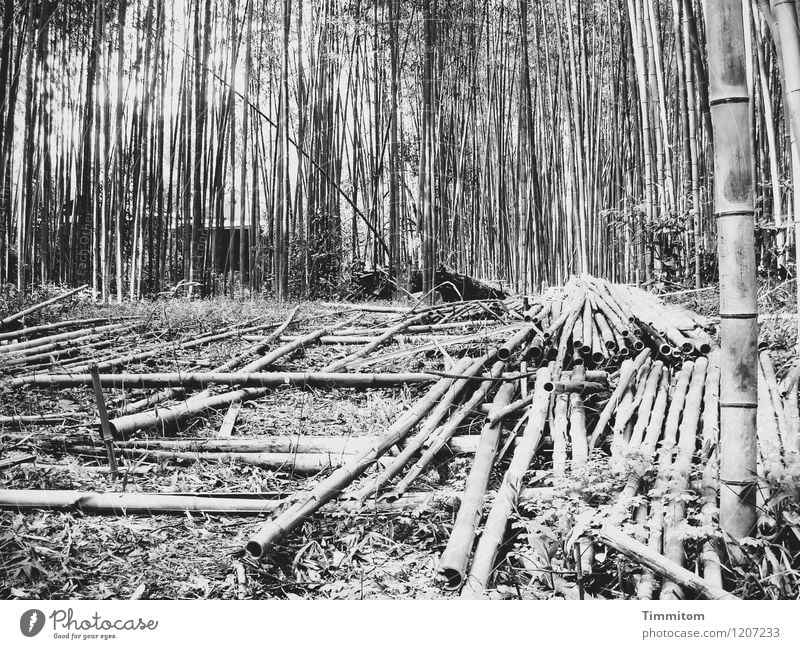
(332, 486)
(507, 496)
(453, 563)
(734, 194)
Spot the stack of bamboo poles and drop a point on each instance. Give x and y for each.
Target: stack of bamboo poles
(590, 367)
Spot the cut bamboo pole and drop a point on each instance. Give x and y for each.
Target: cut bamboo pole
(442, 436)
(640, 553)
(363, 352)
(577, 424)
(41, 305)
(627, 373)
(467, 366)
(505, 500)
(675, 513)
(646, 405)
(149, 504)
(202, 379)
(453, 563)
(332, 486)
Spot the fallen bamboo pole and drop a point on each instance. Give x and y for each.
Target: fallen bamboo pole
(675, 511)
(504, 502)
(466, 365)
(37, 307)
(47, 343)
(293, 461)
(453, 563)
(659, 564)
(149, 504)
(577, 424)
(627, 372)
(361, 353)
(442, 437)
(327, 444)
(332, 486)
(250, 379)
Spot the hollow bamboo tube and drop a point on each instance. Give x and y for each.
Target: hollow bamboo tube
(453, 562)
(505, 500)
(628, 371)
(468, 366)
(675, 512)
(606, 334)
(658, 563)
(441, 437)
(518, 339)
(332, 486)
(587, 321)
(577, 335)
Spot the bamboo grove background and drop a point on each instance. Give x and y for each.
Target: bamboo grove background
(276, 145)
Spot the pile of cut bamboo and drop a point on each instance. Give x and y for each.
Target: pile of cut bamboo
(590, 367)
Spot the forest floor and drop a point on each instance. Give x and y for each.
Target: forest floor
(335, 554)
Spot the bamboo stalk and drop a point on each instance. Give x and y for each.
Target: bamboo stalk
(453, 562)
(441, 437)
(628, 371)
(465, 365)
(679, 481)
(41, 305)
(504, 502)
(656, 562)
(332, 486)
(203, 379)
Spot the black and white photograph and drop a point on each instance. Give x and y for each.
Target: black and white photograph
(405, 300)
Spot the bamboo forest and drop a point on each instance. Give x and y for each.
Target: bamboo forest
(371, 299)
